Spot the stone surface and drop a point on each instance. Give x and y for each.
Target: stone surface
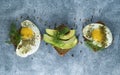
(74, 13)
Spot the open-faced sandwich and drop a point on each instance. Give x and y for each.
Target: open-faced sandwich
(97, 36)
(26, 39)
(61, 38)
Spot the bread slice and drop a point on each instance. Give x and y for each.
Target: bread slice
(61, 52)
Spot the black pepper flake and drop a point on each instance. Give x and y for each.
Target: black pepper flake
(99, 10)
(80, 19)
(27, 17)
(32, 58)
(46, 43)
(37, 17)
(34, 11)
(80, 51)
(91, 18)
(78, 35)
(55, 26)
(21, 17)
(45, 23)
(49, 26)
(72, 55)
(74, 18)
(81, 42)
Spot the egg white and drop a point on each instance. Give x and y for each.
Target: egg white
(33, 48)
(93, 26)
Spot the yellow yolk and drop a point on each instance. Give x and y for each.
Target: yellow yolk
(26, 33)
(97, 35)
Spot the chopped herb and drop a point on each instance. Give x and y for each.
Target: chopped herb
(61, 30)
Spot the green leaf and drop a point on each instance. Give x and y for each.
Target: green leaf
(62, 29)
(14, 34)
(92, 46)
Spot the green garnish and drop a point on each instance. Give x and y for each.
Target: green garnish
(14, 35)
(92, 46)
(61, 31)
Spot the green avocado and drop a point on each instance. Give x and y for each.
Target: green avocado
(68, 44)
(51, 40)
(69, 35)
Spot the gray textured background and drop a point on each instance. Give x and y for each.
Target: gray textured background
(74, 13)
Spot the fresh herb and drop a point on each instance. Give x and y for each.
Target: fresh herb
(92, 46)
(14, 35)
(61, 31)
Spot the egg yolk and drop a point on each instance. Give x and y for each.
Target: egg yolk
(97, 35)
(26, 33)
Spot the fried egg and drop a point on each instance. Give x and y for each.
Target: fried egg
(98, 35)
(30, 39)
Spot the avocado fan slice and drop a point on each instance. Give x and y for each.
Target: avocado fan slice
(67, 44)
(66, 36)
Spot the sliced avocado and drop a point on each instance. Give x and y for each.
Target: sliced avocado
(70, 43)
(52, 41)
(51, 32)
(69, 35)
(61, 44)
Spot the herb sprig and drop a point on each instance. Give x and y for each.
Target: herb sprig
(92, 46)
(61, 31)
(14, 34)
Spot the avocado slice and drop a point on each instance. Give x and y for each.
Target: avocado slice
(51, 40)
(68, 44)
(51, 32)
(69, 35)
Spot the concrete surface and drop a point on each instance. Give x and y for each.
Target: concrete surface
(74, 13)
